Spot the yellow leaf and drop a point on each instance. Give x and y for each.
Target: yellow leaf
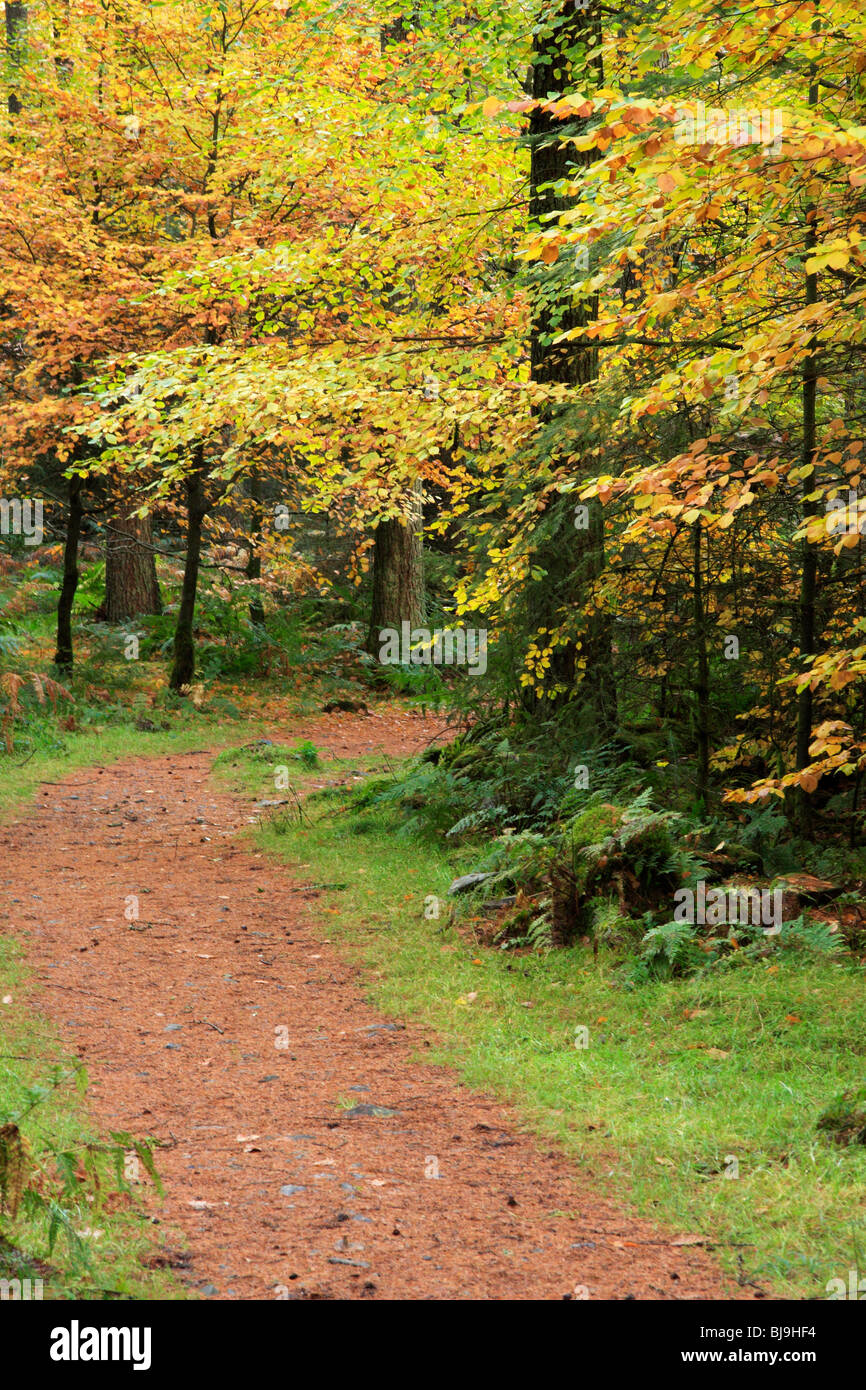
(663, 303)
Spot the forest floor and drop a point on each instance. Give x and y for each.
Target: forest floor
(223, 1021)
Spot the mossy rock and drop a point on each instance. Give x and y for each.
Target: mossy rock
(592, 826)
(642, 747)
(459, 755)
(468, 757)
(845, 1118)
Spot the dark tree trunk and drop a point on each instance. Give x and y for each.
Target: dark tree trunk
(398, 575)
(63, 64)
(396, 32)
(254, 562)
(183, 668)
(63, 656)
(572, 560)
(702, 687)
(556, 65)
(16, 32)
(398, 557)
(131, 585)
(809, 563)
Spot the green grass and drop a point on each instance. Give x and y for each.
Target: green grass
(21, 775)
(46, 1095)
(647, 1111)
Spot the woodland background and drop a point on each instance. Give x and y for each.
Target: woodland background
(316, 319)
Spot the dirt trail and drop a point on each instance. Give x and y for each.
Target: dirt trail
(278, 1190)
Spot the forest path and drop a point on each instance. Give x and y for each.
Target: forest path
(278, 1191)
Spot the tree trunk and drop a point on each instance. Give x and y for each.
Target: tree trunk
(254, 561)
(559, 62)
(183, 668)
(398, 574)
(702, 686)
(398, 557)
(809, 564)
(16, 32)
(131, 585)
(396, 32)
(63, 656)
(63, 64)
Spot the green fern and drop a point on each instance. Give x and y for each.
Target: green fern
(486, 815)
(539, 933)
(668, 951)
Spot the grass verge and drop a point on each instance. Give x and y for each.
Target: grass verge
(99, 1237)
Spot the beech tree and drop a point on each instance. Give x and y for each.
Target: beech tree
(609, 319)
(567, 51)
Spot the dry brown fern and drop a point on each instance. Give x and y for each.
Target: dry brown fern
(11, 683)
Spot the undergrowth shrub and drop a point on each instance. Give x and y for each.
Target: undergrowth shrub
(46, 1187)
(18, 692)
